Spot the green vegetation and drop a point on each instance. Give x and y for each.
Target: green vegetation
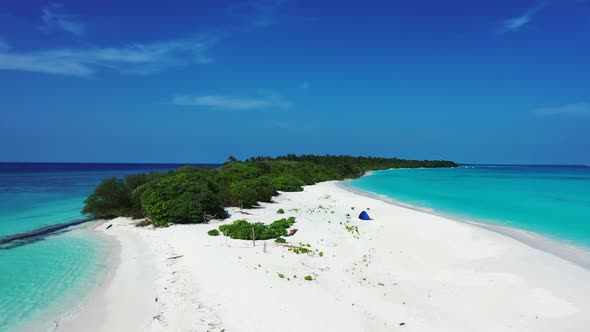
(243, 230)
(300, 250)
(354, 230)
(280, 240)
(282, 276)
(308, 278)
(182, 198)
(213, 232)
(195, 195)
(280, 211)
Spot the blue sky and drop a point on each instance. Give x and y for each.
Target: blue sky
(196, 81)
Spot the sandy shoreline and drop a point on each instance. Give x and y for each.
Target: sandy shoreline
(404, 270)
(574, 254)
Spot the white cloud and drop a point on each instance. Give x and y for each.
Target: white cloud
(516, 23)
(570, 109)
(131, 59)
(55, 17)
(216, 102)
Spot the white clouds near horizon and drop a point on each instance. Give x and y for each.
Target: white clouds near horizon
(569, 109)
(229, 103)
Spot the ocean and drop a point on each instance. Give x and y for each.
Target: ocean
(552, 201)
(43, 279)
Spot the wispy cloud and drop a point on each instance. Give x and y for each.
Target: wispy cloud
(516, 23)
(570, 109)
(55, 17)
(304, 85)
(3, 45)
(267, 100)
(258, 13)
(264, 13)
(131, 59)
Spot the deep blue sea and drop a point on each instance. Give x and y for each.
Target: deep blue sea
(39, 279)
(553, 201)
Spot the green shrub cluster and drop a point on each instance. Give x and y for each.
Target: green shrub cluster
(242, 229)
(213, 232)
(193, 195)
(280, 211)
(182, 198)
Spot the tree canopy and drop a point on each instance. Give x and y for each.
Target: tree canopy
(193, 195)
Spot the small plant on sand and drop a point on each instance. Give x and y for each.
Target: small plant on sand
(354, 230)
(282, 276)
(308, 278)
(280, 211)
(280, 240)
(213, 232)
(321, 254)
(300, 250)
(352, 207)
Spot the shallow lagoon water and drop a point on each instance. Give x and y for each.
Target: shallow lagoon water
(43, 279)
(553, 201)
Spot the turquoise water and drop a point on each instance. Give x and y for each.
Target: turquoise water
(40, 279)
(550, 200)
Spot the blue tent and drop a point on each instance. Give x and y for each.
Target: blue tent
(364, 216)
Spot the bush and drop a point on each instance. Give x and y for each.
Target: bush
(280, 240)
(280, 211)
(182, 198)
(242, 229)
(287, 182)
(308, 278)
(213, 232)
(110, 199)
(265, 189)
(241, 194)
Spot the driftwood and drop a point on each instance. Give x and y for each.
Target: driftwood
(175, 257)
(109, 226)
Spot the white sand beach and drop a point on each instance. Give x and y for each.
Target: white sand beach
(404, 270)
